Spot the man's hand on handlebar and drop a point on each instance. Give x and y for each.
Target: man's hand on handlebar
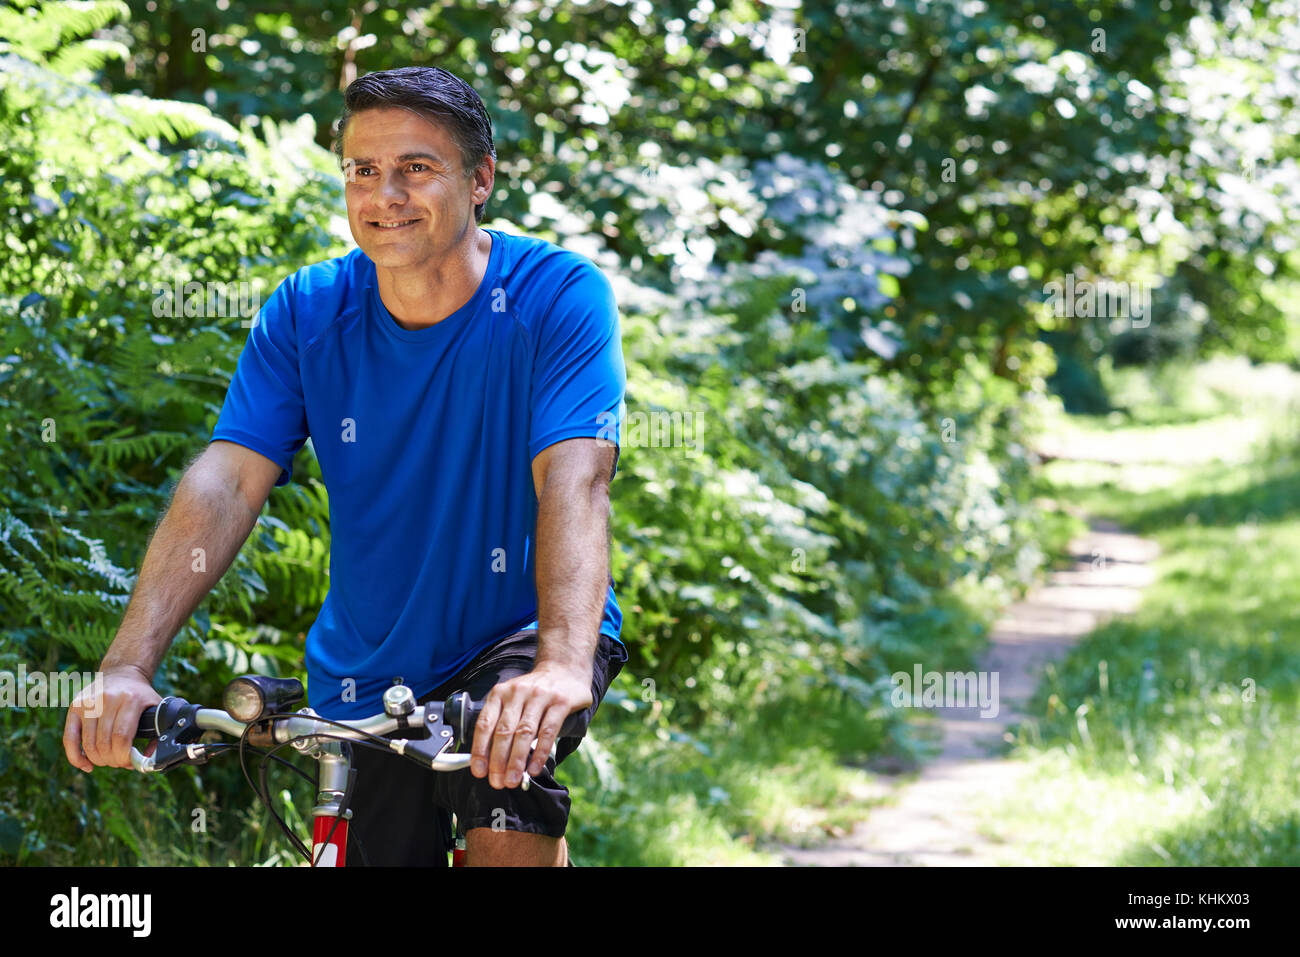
(104, 718)
(530, 707)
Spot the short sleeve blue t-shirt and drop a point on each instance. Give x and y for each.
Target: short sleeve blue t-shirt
(425, 439)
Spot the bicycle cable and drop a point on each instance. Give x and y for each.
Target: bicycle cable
(261, 788)
(347, 794)
(218, 747)
(353, 836)
(263, 792)
(342, 812)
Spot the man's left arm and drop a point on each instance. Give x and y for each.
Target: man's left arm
(572, 480)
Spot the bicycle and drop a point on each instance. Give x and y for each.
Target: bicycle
(255, 711)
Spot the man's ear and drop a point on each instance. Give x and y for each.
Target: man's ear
(483, 181)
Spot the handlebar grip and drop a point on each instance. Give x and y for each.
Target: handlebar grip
(461, 712)
(148, 728)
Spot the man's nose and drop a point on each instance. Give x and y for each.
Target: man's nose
(392, 189)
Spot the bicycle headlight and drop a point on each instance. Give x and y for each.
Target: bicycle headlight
(244, 700)
(250, 698)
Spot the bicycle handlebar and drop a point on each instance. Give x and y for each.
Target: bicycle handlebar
(176, 724)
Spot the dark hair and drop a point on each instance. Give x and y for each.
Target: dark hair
(444, 97)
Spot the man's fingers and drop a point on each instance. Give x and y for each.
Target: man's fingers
(104, 735)
(123, 734)
(550, 730)
(90, 739)
(503, 740)
(483, 728)
(72, 741)
(97, 732)
(526, 732)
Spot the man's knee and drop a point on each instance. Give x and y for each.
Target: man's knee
(487, 847)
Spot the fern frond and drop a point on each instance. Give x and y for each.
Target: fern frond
(29, 36)
(40, 28)
(169, 119)
(152, 446)
(87, 55)
(142, 116)
(77, 18)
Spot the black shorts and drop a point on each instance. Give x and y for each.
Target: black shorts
(402, 812)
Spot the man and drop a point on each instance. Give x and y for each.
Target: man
(458, 386)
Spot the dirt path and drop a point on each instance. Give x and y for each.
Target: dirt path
(930, 819)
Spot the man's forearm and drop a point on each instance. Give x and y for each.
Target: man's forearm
(199, 536)
(572, 572)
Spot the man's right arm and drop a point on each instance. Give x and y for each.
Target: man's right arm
(211, 514)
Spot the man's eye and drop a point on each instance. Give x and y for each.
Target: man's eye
(420, 166)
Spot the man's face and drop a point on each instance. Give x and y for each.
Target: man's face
(401, 168)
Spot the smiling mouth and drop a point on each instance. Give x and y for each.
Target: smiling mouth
(399, 224)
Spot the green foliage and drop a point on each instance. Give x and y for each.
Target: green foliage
(1165, 738)
(825, 511)
(104, 395)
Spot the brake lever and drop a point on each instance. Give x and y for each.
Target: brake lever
(177, 724)
(426, 751)
(192, 754)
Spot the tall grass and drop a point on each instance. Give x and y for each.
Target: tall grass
(1169, 737)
